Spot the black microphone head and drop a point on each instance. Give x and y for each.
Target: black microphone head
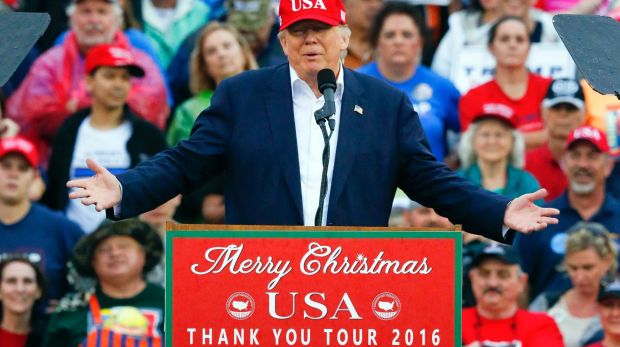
(326, 79)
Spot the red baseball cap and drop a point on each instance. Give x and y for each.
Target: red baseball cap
(498, 111)
(21, 146)
(590, 134)
(330, 12)
(115, 56)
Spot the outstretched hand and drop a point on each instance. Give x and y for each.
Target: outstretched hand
(101, 190)
(524, 216)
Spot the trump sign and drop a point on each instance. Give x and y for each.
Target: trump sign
(310, 287)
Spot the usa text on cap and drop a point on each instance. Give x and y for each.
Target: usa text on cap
(21, 146)
(497, 111)
(590, 134)
(330, 12)
(113, 56)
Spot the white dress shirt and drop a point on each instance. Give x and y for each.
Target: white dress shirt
(310, 144)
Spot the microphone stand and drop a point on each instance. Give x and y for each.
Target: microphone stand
(322, 116)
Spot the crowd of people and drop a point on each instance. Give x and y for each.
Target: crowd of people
(118, 81)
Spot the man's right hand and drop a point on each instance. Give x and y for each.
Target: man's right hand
(103, 189)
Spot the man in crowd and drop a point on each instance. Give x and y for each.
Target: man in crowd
(55, 86)
(30, 229)
(117, 256)
(563, 110)
(108, 132)
(586, 164)
(267, 141)
(418, 216)
(361, 15)
(257, 22)
(497, 320)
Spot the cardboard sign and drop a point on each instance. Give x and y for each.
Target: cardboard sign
(313, 288)
(475, 65)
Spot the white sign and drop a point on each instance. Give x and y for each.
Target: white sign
(475, 64)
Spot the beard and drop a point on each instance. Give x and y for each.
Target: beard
(90, 40)
(582, 188)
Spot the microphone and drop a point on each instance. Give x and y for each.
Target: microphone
(327, 86)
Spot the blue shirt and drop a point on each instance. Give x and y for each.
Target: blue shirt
(543, 251)
(47, 238)
(434, 98)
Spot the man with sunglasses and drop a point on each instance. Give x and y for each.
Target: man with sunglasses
(586, 164)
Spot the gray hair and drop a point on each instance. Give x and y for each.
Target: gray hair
(467, 155)
(118, 11)
(344, 31)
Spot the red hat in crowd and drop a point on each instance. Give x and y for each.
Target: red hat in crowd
(21, 146)
(501, 112)
(330, 12)
(114, 56)
(590, 134)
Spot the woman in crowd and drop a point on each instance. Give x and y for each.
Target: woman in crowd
(492, 153)
(398, 36)
(466, 27)
(513, 85)
(21, 285)
(471, 28)
(590, 256)
(220, 52)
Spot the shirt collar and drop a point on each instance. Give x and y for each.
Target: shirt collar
(296, 80)
(610, 204)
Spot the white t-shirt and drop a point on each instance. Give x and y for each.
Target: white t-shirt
(109, 149)
(571, 327)
(166, 16)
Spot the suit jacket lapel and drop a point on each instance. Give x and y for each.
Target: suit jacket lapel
(349, 136)
(279, 101)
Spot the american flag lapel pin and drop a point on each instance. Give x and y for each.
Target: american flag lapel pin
(359, 110)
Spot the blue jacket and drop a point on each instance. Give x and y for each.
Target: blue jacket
(249, 131)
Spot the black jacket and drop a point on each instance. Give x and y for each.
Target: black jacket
(146, 140)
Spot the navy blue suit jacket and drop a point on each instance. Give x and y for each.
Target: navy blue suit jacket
(249, 131)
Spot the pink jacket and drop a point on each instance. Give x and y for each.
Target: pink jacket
(39, 105)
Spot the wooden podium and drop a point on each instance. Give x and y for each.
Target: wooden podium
(312, 286)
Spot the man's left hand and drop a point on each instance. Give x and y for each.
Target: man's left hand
(524, 216)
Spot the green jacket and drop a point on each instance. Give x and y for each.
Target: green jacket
(189, 16)
(185, 116)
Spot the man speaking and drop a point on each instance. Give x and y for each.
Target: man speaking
(294, 156)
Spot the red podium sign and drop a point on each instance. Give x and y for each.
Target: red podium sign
(313, 288)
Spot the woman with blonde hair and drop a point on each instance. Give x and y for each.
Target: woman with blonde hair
(590, 258)
(220, 52)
